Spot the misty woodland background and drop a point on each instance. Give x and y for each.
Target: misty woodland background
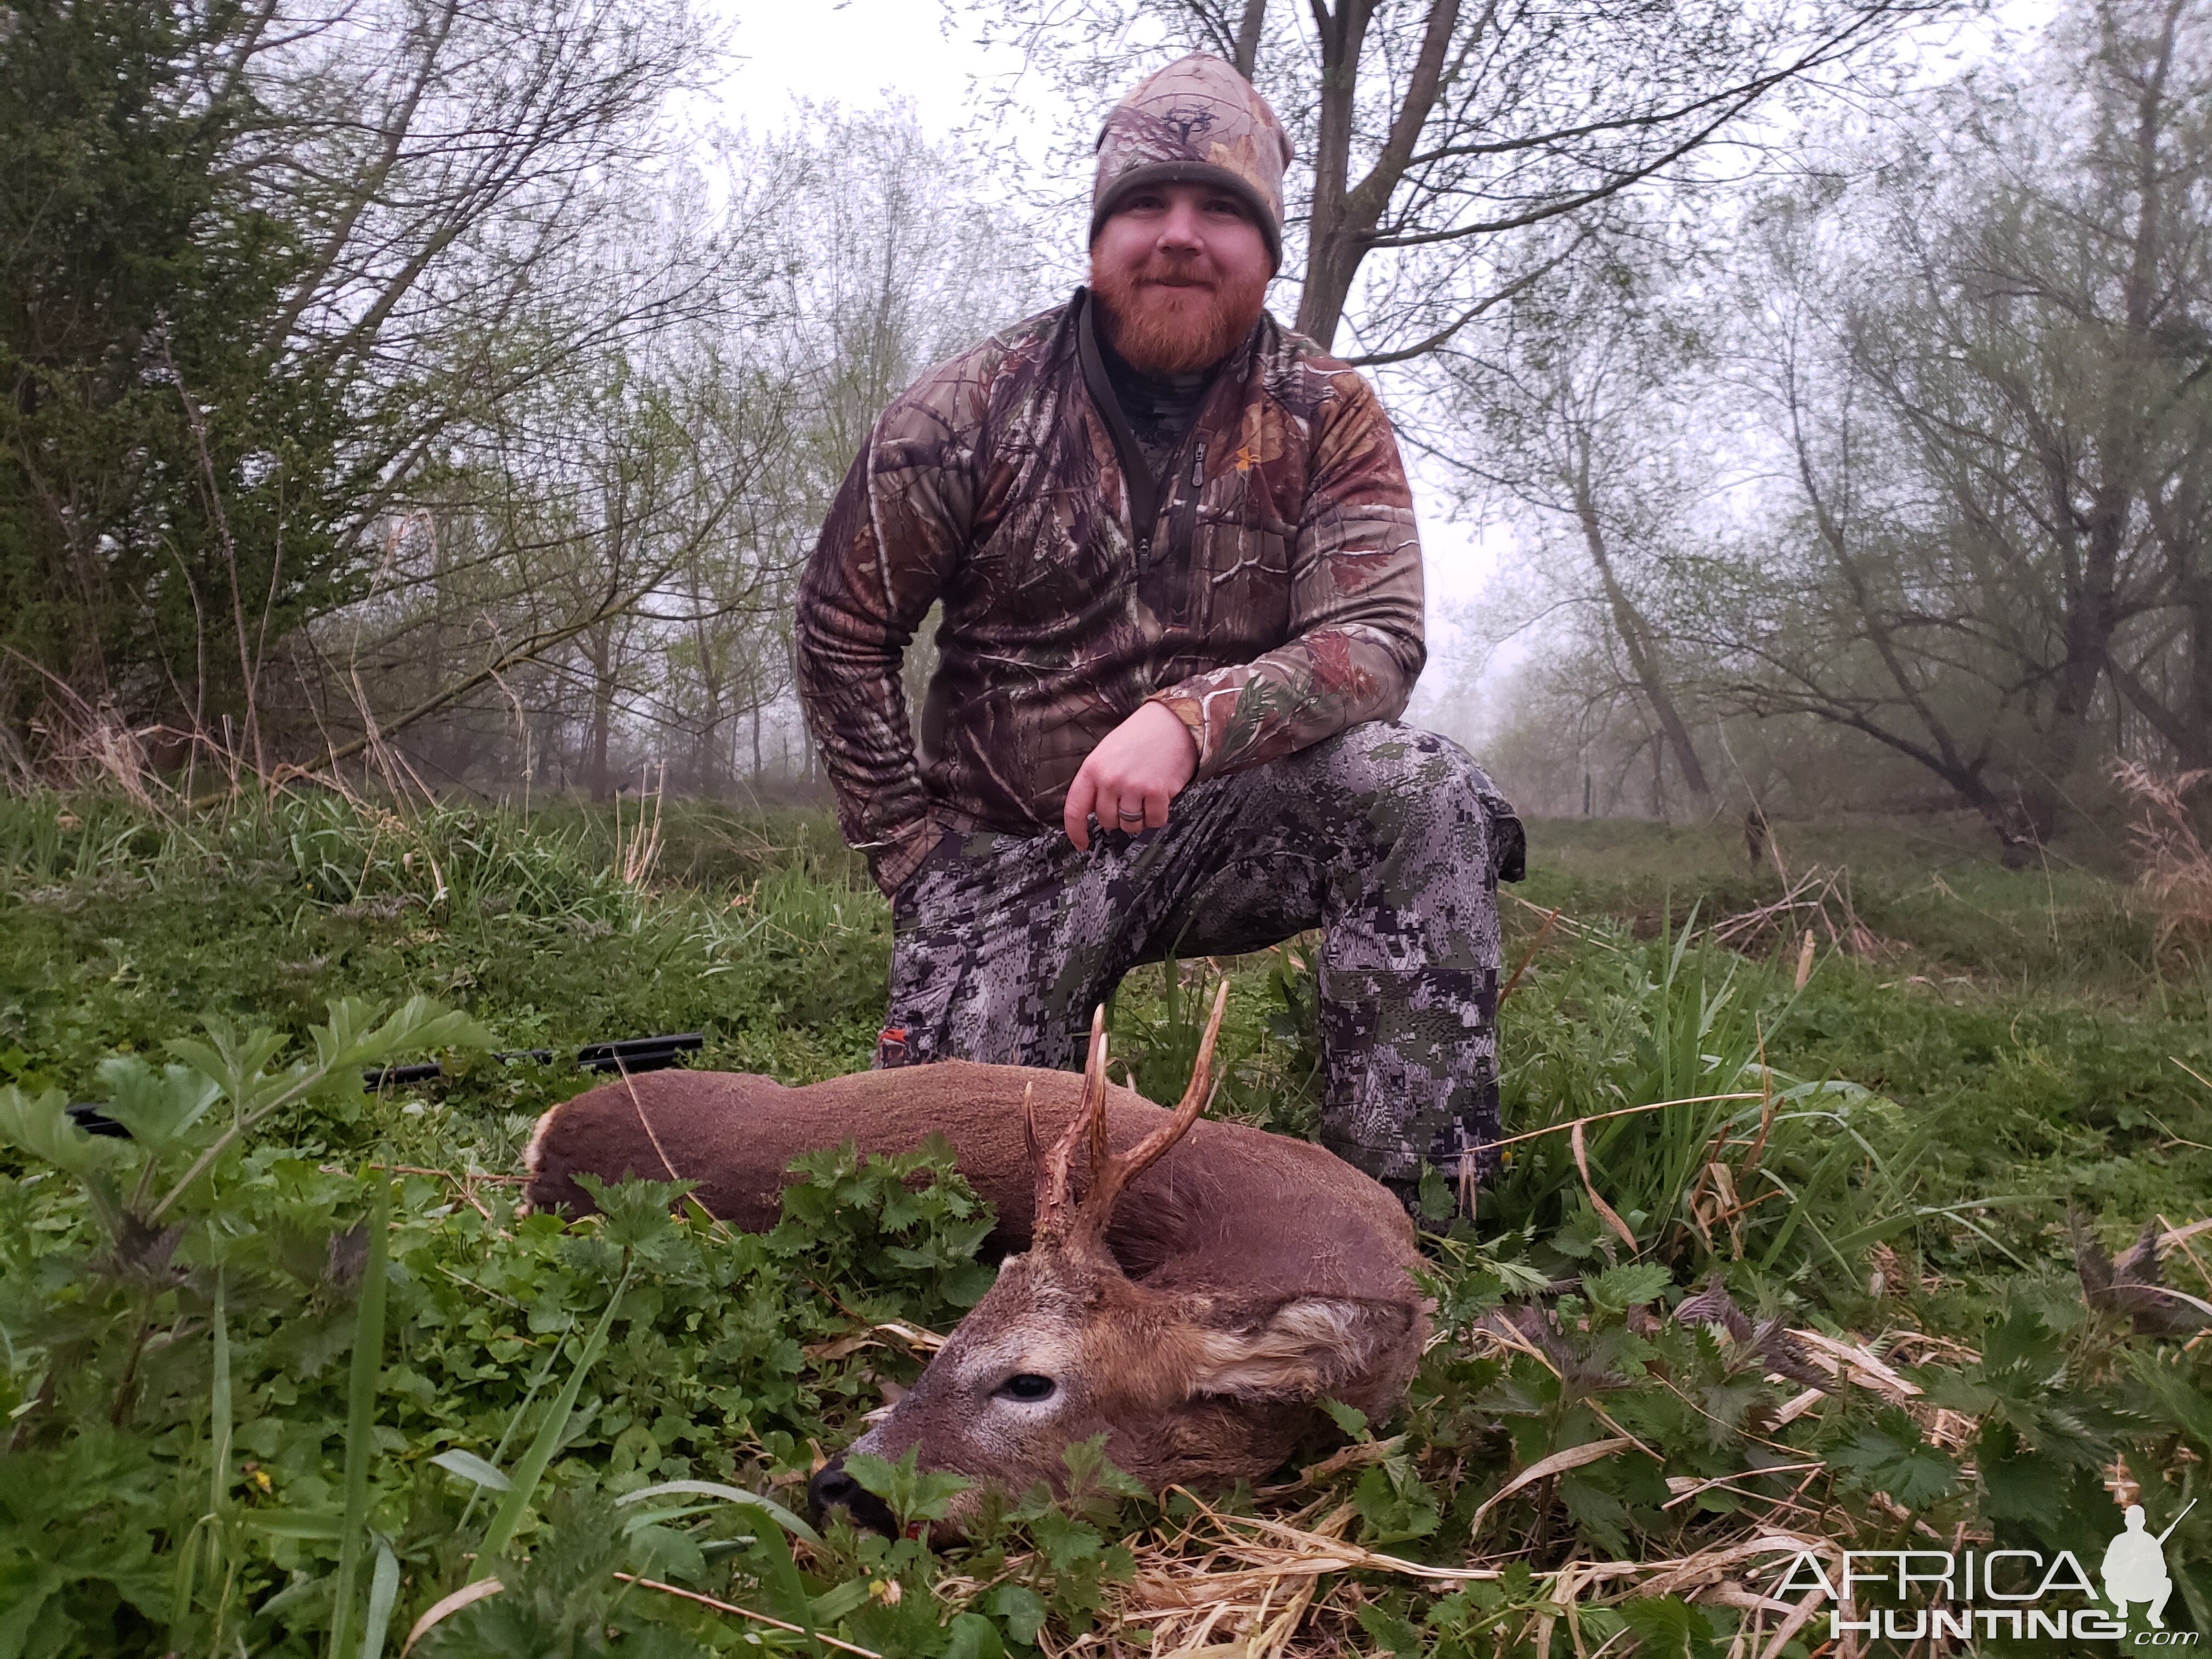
(413, 413)
(407, 386)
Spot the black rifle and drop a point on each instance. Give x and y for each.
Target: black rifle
(648, 1054)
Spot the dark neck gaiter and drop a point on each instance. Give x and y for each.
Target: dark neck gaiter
(1160, 408)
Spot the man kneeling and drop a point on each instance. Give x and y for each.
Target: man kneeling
(1182, 609)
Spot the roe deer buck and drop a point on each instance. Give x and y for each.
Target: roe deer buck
(1210, 1286)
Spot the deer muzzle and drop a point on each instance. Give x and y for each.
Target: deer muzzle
(832, 1489)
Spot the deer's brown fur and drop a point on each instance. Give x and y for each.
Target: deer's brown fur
(1194, 1289)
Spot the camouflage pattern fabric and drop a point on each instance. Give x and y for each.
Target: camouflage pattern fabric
(1195, 122)
(1389, 839)
(1268, 593)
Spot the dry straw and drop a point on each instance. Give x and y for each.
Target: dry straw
(1286, 1583)
(2176, 866)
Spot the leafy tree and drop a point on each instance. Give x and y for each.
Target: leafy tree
(1568, 414)
(269, 278)
(164, 496)
(1985, 361)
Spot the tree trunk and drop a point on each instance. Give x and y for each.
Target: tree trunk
(600, 653)
(1345, 215)
(2093, 614)
(1248, 37)
(1331, 257)
(2197, 698)
(713, 745)
(1635, 636)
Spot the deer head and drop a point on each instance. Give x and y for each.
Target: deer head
(1188, 1380)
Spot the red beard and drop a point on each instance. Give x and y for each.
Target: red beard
(1177, 325)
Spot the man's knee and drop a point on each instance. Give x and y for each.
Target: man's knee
(1385, 756)
(1398, 775)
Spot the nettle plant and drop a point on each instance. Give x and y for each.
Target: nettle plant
(259, 1400)
(138, 1265)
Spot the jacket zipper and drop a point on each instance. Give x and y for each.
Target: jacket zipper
(1187, 514)
(1185, 510)
(1137, 478)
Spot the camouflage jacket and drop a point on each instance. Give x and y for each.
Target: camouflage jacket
(1267, 589)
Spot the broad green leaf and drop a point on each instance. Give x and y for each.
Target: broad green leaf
(470, 1466)
(1393, 1632)
(237, 1063)
(664, 1553)
(1630, 1285)
(158, 1108)
(1022, 1608)
(1889, 1456)
(971, 1636)
(40, 1125)
(25, 1587)
(1350, 1418)
(914, 1493)
(1437, 1199)
(1091, 1473)
(353, 1039)
(767, 1506)
(965, 1282)
(1669, 1626)
(2017, 1485)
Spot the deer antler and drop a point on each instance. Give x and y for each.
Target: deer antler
(1091, 1109)
(1060, 1218)
(1111, 1175)
(1055, 1196)
(1054, 1201)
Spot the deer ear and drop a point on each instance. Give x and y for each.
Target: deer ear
(1300, 1349)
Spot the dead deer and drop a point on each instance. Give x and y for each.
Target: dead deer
(1208, 1288)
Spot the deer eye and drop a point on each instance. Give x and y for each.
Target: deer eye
(1028, 1385)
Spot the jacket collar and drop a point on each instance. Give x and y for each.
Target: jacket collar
(1144, 488)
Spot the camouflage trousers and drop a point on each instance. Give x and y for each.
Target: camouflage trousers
(1390, 840)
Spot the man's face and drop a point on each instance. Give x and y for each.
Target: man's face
(1181, 271)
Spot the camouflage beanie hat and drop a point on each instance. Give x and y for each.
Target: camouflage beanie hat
(1195, 122)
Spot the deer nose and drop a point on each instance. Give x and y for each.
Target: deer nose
(832, 1488)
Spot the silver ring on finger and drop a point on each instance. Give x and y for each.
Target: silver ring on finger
(1127, 817)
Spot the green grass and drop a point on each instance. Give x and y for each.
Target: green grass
(2017, 1013)
(200, 1459)
(1931, 889)
(120, 934)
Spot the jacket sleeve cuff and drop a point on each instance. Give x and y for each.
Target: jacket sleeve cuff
(1189, 702)
(894, 860)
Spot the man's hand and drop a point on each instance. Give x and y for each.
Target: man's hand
(1137, 769)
